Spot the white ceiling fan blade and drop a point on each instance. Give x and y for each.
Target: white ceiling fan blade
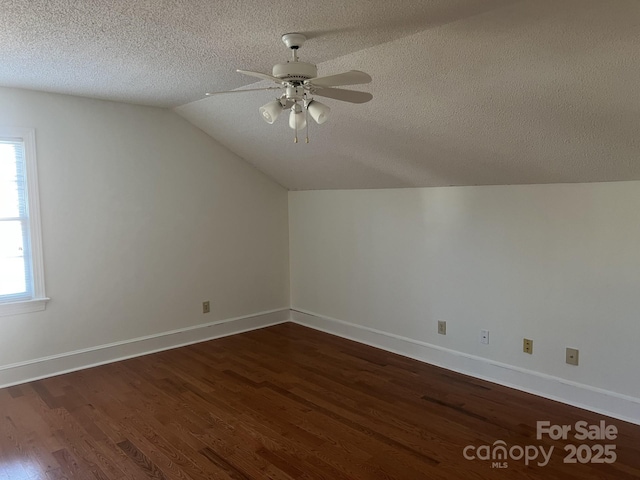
(353, 77)
(263, 76)
(344, 95)
(241, 91)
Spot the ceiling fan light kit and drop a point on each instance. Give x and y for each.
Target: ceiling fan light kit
(297, 119)
(271, 111)
(300, 83)
(318, 111)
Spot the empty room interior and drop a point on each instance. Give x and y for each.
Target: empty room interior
(319, 240)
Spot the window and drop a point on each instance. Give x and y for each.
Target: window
(21, 268)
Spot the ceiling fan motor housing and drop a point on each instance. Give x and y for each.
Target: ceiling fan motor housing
(295, 71)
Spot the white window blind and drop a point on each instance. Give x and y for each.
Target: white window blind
(21, 276)
(16, 282)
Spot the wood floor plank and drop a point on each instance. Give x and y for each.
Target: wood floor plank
(283, 403)
(141, 460)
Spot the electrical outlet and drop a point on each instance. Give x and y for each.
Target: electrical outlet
(442, 327)
(484, 337)
(527, 346)
(206, 308)
(572, 356)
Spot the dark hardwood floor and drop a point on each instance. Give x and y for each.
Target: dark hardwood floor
(286, 402)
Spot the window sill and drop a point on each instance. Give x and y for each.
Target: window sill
(25, 306)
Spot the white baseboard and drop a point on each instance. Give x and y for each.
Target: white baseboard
(90, 357)
(616, 405)
(595, 399)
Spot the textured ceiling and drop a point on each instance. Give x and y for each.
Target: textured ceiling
(466, 92)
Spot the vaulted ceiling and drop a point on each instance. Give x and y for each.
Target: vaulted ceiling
(466, 92)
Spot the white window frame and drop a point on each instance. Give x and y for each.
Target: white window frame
(39, 299)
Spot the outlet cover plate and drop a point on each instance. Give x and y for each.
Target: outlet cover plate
(527, 346)
(206, 308)
(442, 327)
(484, 337)
(572, 356)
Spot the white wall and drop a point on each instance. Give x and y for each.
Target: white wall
(559, 264)
(143, 217)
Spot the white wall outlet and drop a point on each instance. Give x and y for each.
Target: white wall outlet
(527, 346)
(206, 308)
(442, 327)
(484, 337)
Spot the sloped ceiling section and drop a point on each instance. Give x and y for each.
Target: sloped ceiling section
(533, 92)
(466, 92)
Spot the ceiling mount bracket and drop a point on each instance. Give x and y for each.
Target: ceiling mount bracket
(293, 40)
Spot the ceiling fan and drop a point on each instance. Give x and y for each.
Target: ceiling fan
(299, 83)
